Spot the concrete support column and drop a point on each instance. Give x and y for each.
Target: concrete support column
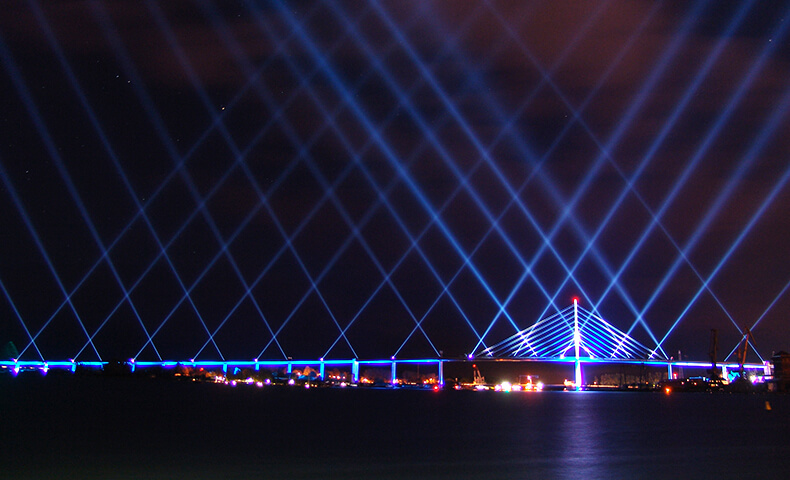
(394, 374)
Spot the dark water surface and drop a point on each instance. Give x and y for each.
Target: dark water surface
(116, 428)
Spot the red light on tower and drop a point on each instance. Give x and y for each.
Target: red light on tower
(575, 299)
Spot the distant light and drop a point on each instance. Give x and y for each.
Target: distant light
(259, 384)
(291, 382)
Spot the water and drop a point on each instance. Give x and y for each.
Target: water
(83, 427)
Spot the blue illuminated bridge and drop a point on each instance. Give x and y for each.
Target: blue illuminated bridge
(378, 184)
(572, 335)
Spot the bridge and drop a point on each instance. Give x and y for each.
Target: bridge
(573, 335)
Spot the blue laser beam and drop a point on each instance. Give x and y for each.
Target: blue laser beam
(748, 159)
(33, 112)
(679, 108)
(576, 112)
(153, 115)
(387, 162)
(765, 134)
(339, 180)
(436, 87)
(381, 198)
(576, 117)
(110, 34)
(111, 153)
(389, 155)
(16, 310)
(448, 162)
(762, 316)
(215, 123)
(303, 153)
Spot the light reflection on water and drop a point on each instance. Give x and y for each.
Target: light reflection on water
(174, 430)
(581, 437)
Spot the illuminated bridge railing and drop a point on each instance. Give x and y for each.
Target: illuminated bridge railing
(16, 366)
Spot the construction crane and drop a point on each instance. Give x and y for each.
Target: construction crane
(714, 352)
(743, 349)
(478, 378)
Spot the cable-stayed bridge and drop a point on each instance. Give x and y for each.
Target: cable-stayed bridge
(572, 335)
(573, 331)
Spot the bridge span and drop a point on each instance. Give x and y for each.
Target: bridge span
(354, 366)
(573, 335)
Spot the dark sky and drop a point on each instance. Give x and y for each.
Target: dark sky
(238, 179)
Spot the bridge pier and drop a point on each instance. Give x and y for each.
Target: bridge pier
(394, 374)
(355, 371)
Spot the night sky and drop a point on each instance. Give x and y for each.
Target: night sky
(243, 179)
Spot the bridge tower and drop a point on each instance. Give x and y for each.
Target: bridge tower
(576, 342)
